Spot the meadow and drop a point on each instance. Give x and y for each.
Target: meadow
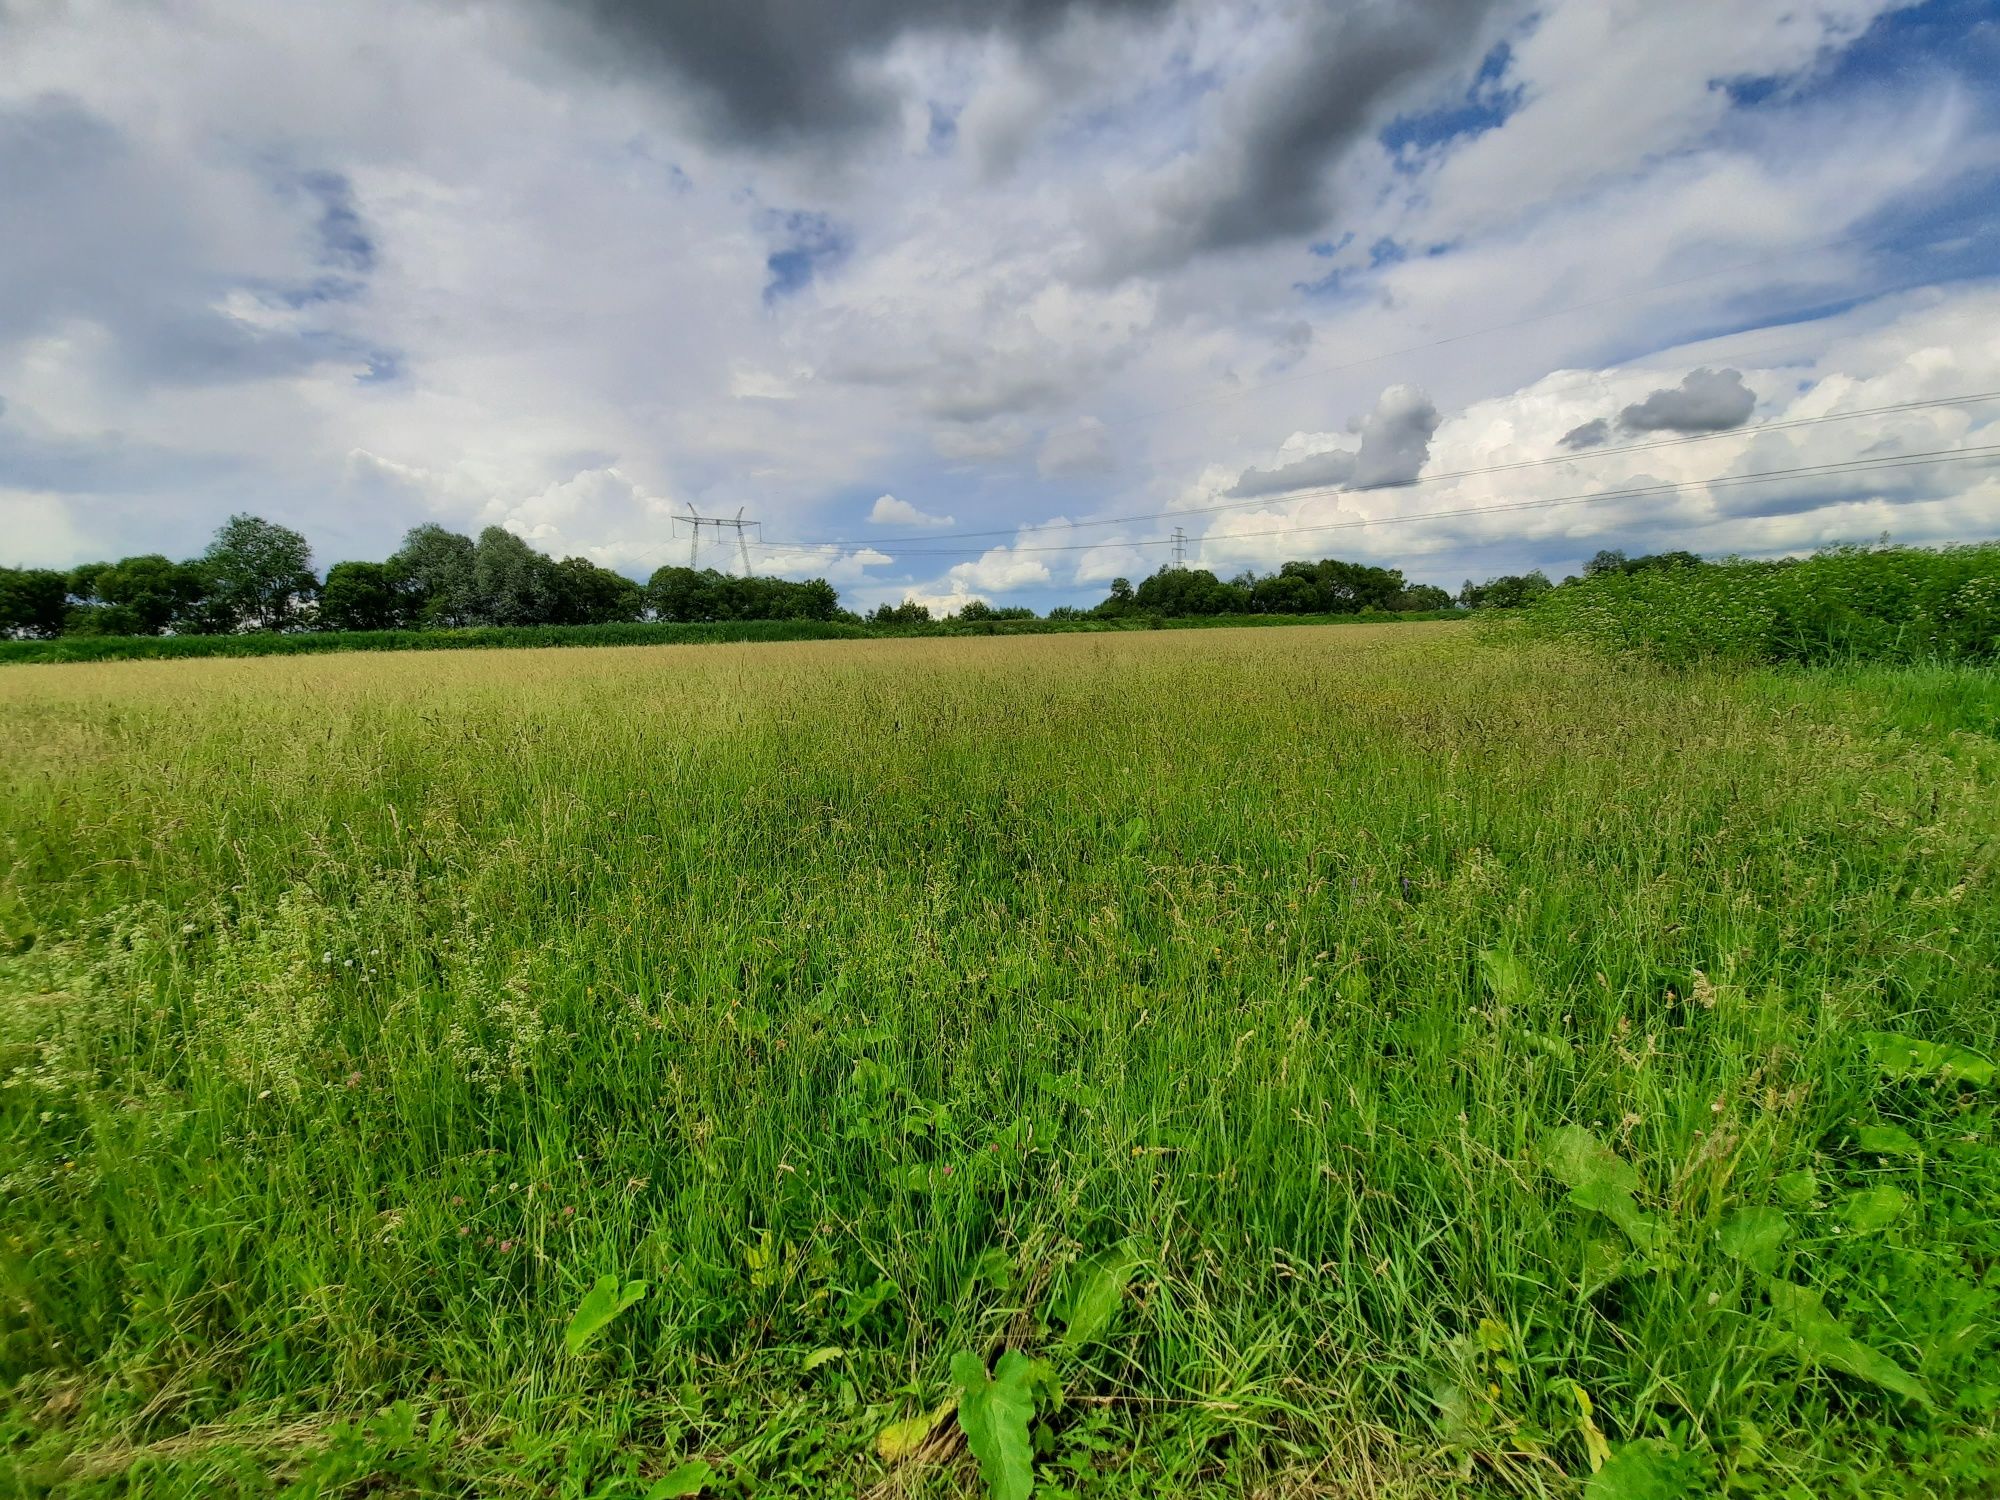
(1393, 1061)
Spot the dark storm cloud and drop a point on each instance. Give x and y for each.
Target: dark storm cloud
(1395, 444)
(1316, 471)
(1706, 401)
(1395, 439)
(786, 72)
(1592, 434)
(1265, 174)
(805, 74)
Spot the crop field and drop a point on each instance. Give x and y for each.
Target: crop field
(1401, 1061)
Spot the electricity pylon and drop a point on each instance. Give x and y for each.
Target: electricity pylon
(694, 520)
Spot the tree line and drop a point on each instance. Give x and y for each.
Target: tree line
(258, 576)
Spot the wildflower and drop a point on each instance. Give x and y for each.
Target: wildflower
(354, 1079)
(569, 1211)
(488, 1240)
(506, 1246)
(265, 1095)
(464, 1230)
(458, 1200)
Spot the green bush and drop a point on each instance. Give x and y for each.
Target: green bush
(1892, 604)
(124, 648)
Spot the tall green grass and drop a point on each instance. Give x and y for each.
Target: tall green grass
(1358, 1061)
(86, 648)
(1895, 604)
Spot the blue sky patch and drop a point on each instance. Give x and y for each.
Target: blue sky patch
(344, 241)
(814, 245)
(1485, 104)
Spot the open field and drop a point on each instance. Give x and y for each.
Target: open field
(82, 648)
(1360, 1061)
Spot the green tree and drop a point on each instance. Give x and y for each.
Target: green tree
(586, 594)
(259, 573)
(433, 570)
(1420, 597)
(1607, 560)
(362, 596)
(1189, 591)
(1509, 591)
(687, 596)
(144, 595)
(32, 602)
(512, 583)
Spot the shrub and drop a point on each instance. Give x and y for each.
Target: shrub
(1898, 604)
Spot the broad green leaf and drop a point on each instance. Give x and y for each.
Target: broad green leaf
(1542, 1042)
(688, 1479)
(1874, 1208)
(822, 1356)
(1600, 1180)
(1095, 1290)
(1823, 1341)
(994, 1414)
(1887, 1140)
(1910, 1057)
(899, 1440)
(1643, 1469)
(602, 1303)
(1135, 834)
(1755, 1236)
(1506, 976)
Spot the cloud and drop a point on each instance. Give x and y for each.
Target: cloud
(1395, 443)
(194, 280)
(1709, 497)
(889, 511)
(769, 73)
(1705, 401)
(1079, 447)
(1395, 438)
(569, 294)
(1592, 434)
(1265, 170)
(1334, 467)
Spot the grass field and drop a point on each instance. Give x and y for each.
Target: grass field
(1346, 1062)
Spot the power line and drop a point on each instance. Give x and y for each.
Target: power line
(1306, 492)
(1722, 481)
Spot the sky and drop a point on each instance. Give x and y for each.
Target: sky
(986, 298)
